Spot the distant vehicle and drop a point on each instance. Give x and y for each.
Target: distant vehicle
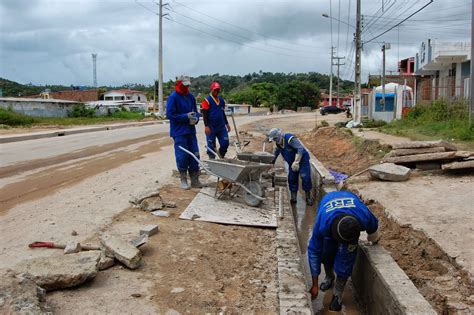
(331, 110)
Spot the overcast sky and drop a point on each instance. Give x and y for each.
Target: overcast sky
(51, 41)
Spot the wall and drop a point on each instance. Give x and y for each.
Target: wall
(46, 108)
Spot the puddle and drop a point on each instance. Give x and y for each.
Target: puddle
(304, 217)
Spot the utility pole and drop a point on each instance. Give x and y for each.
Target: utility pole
(358, 45)
(330, 78)
(94, 69)
(471, 80)
(385, 46)
(338, 64)
(160, 57)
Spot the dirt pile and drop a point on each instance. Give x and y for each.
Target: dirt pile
(337, 149)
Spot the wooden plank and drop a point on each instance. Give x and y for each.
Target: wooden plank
(425, 144)
(421, 157)
(458, 165)
(401, 152)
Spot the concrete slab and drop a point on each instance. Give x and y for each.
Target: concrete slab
(205, 207)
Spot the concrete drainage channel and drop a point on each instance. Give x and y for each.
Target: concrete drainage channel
(379, 284)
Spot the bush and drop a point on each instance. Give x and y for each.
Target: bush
(81, 111)
(124, 114)
(11, 118)
(373, 123)
(324, 123)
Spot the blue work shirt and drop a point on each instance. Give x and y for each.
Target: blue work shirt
(332, 205)
(216, 118)
(177, 108)
(291, 146)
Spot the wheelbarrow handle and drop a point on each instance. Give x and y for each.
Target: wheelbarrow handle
(213, 152)
(198, 161)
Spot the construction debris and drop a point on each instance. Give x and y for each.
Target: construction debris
(105, 262)
(425, 144)
(72, 247)
(144, 195)
(140, 240)
(152, 204)
(390, 172)
(161, 213)
(429, 155)
(20, 295)
(121, 250)
(458, 165)
(58, 272)
(169, 204)
(149, 230)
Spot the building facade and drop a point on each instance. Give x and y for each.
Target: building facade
(125, 95)
(444, 70)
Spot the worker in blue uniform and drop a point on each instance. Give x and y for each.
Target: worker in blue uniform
(297, 157)
(181, 110)
(340, 219)
(215, 121)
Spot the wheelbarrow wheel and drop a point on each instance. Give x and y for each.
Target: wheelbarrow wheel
(256, 189)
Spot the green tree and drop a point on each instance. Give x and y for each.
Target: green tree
(296, 94)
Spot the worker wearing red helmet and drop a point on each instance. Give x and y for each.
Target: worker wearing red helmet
(215, 121)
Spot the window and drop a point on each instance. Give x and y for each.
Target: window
(139, 98)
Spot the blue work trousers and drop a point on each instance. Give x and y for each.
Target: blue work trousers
(340, 256)
(304, 172)
(184, 161)
(223, 138)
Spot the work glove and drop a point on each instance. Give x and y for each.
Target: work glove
(374, 237)
(192, 118)
(295, 166)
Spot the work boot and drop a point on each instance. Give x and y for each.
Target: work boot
(293, 196)
(184, 179)
(336, 304)
(328, 279)
(309, 198)
(212, 157)
(195, 183)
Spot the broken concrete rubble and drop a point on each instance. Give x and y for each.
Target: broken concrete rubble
(105, 262)
(149, 229)
(161, 213)
(390, 172)
(401, 152)
(421, 157)
(152, 204)
(72, 247)
(169, 204)
(121, 250)
(20, 295)
(155, 192)
(140, 240)
(458, 165)
(58, 272)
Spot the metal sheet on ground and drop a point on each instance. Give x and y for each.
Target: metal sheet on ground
(205, 207)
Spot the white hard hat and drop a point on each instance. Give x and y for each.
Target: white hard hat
(274, 134)
(184, 79)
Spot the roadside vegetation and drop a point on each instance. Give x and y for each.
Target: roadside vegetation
(439, 119)
(80, 115)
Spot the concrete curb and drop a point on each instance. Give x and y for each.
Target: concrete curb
(384, 287)
(292, 291)
(73, 131)
(379, 282)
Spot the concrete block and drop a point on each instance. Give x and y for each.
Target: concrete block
(390, 172)
(140, 240)
(161, 213)
(58, 272)
(149, 230)
(121, 250)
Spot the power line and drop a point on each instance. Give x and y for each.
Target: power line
(391, 28)
(243, 28)
(237, 35)
(240, 43)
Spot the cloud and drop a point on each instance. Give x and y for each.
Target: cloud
(51, 41)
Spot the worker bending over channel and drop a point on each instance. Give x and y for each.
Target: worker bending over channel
(297, 157)
(215, 121)
(181, 110)
(340, 219)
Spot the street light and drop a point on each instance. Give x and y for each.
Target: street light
(335, 19)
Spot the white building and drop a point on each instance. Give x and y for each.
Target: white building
(445, 67)
(125, 95)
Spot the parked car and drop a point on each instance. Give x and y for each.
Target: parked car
(330, 110)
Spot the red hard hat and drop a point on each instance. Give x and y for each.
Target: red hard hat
(215, 86)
